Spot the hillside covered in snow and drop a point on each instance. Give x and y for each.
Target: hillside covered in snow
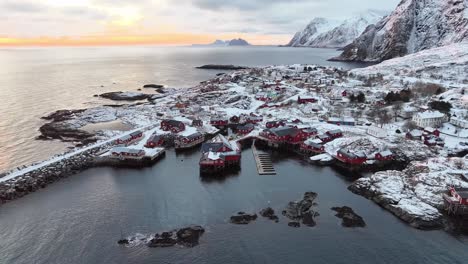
(415, 25)
(446, 65)
(327, 33)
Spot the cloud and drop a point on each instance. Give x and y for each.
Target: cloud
(241, 4)
(22, 6)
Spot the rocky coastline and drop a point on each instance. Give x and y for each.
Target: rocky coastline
(221, 67)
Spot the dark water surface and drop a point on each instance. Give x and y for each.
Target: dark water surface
(37, 81)
(79, 219)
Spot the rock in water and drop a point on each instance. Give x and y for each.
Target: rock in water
(125, 96)
(165, 239)
(349, 217)
(123, 242)
(155, 86)
(294, 224)
(221, 67)
(270, 214)
(295, 210)
(243, 219)
(189, 236)
(309, 219)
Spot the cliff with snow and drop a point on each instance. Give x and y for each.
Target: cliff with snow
(326, 33)
(413, 26)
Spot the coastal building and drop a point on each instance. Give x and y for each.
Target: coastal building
(414, 134)
(429, 119)
(334, 134)
(154, 141)
(197, 123)
(351, 158)
(219, 122)
(253, 119)
(127, 139)
(172, 125)
(313, 146)
(377, 132)
(285, 134)
(189, 141)
(345, 121)
(219, 154)
(385, 155)
(306, 100)
(127, 152)
(459, 122)
(245, 129)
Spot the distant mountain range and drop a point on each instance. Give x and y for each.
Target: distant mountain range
(413, 26)
(225, 43)
(328, 33)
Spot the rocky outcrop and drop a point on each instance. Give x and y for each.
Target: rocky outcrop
(243, 218)
(154, 86)
(413, 26)
(186, 237)
(64, 132)
(270, 214)
(222, 67)
(414, 194)
(301, 210)
(63, 115)
(125, 96)
(349, 217)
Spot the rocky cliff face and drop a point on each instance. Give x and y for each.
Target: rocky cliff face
(413, 26)
(325, 33)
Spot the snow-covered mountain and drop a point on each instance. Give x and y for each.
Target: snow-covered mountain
(413, 26)
(326, 33)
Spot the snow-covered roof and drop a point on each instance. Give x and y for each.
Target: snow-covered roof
(430, 114)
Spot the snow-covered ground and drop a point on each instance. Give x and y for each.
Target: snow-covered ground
(415, 194)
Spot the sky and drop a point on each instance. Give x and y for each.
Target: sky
(166, 22)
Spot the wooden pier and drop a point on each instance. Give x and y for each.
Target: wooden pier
(264, 164)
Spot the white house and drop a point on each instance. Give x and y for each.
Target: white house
(459, 122)
(429, 119)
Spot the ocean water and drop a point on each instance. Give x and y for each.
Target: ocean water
(80, 219)
(37, 81)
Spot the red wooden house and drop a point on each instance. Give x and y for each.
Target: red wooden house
(351, 158)
(461, 194)
(324, 138)
(154, 141)
(432, 131)
(219, 154)
(188, 141)
(219, 122)
(234, 119)
(246, 129)
(285, 135)
(384, 155)
(197, 123)
(313, 146)
(129, 138)
(334, 134)
(274, 124)
(254, 119)
(309, 132)
(305, 100)
(174, 126)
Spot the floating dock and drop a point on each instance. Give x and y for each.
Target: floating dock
(264, 163)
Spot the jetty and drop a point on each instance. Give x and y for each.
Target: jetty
(264, 163)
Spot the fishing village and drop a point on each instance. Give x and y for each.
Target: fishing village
(398, 133)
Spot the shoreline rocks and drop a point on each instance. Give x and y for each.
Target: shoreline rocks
(221, 67)
(186, 237)
(125, 96)
(154, 86)
(243, 218)
(349, 217)
(270, 214)
(301, 210)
